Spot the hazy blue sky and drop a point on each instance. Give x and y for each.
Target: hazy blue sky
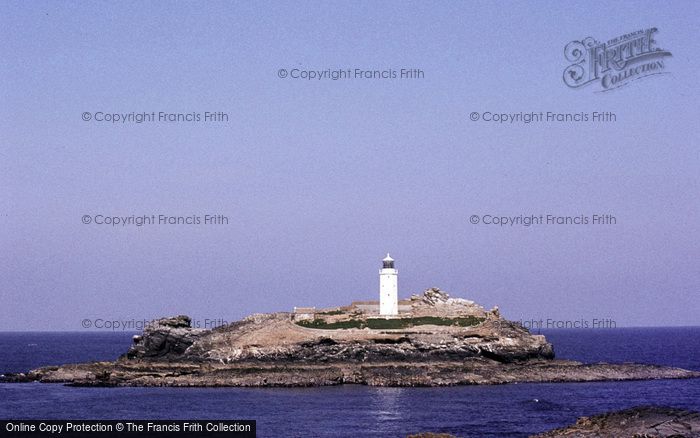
(321, 178)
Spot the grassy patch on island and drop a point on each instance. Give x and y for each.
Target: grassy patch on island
(389, 324)
(332, 312)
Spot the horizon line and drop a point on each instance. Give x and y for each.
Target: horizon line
(530, 329)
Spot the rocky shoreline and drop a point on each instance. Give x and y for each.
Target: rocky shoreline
(641, 421)
(397, 374)
(637, 422)
(439, 342)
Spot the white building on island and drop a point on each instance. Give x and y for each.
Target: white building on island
(388, 288)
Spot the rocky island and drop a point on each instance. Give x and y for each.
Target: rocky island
(434, 341)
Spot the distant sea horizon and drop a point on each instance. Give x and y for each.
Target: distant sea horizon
(529, 328)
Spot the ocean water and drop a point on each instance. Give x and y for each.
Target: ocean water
(353, 410)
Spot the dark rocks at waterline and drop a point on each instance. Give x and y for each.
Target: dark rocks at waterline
(291, 374)
(643, 421)
(166, 337)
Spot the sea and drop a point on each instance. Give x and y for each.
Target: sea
(514, 410)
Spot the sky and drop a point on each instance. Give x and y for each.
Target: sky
(319, 179)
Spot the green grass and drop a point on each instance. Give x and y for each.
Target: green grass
(388, 324)
(332, 312)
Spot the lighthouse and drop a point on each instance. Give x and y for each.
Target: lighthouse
(388, 288)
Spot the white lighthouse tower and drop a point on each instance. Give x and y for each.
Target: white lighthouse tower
(388, 288)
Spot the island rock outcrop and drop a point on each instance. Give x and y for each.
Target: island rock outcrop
(165, 337)
(435, 341)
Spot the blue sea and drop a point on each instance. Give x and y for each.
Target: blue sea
(353, 410)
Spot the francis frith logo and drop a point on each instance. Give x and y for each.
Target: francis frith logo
(614, 63)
